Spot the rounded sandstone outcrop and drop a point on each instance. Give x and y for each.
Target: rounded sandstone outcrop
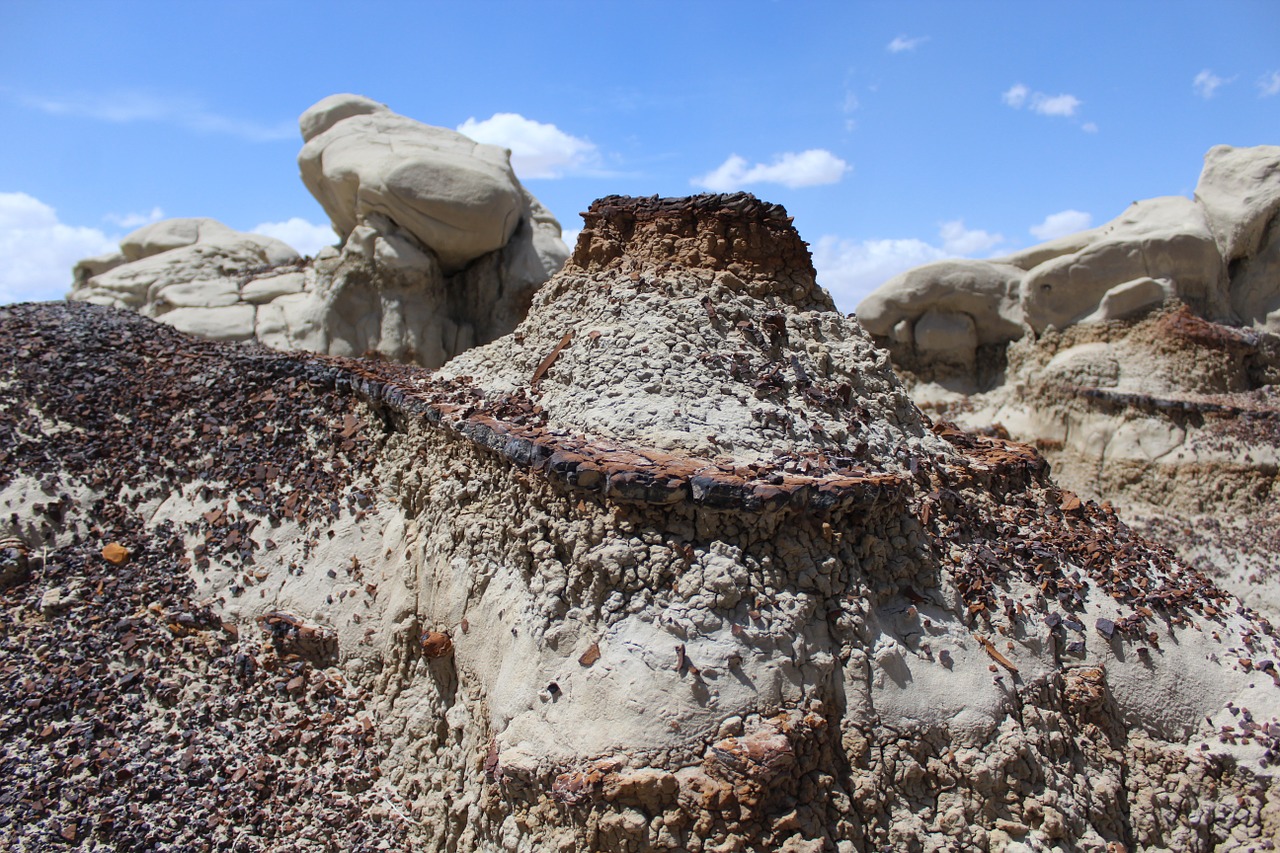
(169, 234)
(1158, 238)
(197, 261)
(441, 250)
(1239, 191)
(985, 291)
(457, 197)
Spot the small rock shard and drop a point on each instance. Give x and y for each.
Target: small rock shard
(995, 654)
(436, 644)
(546, 363)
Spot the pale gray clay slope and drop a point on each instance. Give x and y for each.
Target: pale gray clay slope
(439, 249)
(676, 565)
(1141, 357)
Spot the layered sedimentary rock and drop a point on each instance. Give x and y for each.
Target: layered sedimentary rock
(441, 249)
(1141, 357)
(674, 566)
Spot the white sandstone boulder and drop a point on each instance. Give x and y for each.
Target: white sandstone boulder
(1239, 190)
(458, 197)
(442, 249)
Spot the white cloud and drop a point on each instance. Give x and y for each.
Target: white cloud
(1016, 96)
(189, 113)
(135, 220)
(1269, 84)
(570, 237)
(1019, 96)
(811, 168)
(1061, 224)
(958, 240)
(1089, 127)
(851, 269)
(902, 43)
(538, 150)
(1056, 105)
(1206, 83)
(307, 237)
(39, 251)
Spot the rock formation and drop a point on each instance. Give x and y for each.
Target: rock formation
(441, 249)
(1218, 253)
(1141, 357)
(676, 565)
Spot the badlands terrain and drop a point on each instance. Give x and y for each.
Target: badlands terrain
(443, 541)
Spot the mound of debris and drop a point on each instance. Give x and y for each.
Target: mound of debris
(780, 611)
(1141, 357)
(441, 248)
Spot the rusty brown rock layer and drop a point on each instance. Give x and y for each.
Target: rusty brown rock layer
(509, 427)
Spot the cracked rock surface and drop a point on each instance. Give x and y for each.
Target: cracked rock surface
(520, 604)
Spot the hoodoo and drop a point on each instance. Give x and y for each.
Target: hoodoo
(675, 565)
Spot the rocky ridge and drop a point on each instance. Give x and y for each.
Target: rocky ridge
(883, 632)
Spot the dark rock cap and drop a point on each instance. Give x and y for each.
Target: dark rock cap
(736, 233)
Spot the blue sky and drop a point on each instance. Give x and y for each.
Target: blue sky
(894, 133)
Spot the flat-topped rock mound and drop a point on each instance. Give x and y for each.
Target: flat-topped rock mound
(721, 351)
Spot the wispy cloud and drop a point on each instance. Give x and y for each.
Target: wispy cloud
(306, 237)
(1269, 84)
(849, 107)
(538, 150)
(133, 106)
(1019, 96)
(1016, 95)
(39, 250)
(134, 220)
(904, 43)
(811, 168)
(1206, 84)
(1061, 224)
